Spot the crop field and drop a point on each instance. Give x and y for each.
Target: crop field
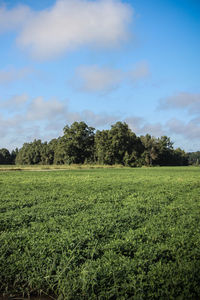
(101, 233)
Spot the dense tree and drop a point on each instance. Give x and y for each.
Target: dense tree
(194, 158)
(77, 143)
(180, 158)
(151, 149)
(159, 151)
(124, 141)
(60, 153)
(103, 151)
(5, 157)
(14, 155)
(117, 145)
(46, 154)
(165, 151)
(34, 153)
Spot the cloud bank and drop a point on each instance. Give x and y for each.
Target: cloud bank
(25, 118)
(22, 119)
(190, 104)
(68, 25)
(182, 100)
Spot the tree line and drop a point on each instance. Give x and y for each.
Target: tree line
(83, 144)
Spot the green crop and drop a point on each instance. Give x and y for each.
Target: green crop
(101, 233)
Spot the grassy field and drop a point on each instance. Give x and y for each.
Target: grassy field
(101, 233)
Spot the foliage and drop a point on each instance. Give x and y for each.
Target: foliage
(119, 145)
(78, 142)
(6, 157)
(34, 153)
(194, 158)
(81, 144)
(101, 234)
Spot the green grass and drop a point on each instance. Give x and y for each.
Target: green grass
(101, 233)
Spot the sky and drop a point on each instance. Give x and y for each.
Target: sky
(100, 61)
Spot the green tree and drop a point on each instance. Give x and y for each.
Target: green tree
(119, 145)
(180, 158)
(46, 154)
(103, 149)
(194, 158)
(77, 143)
(151, 149)
(14, 155)
(123, 140)
(5, 157)
(165, 149)
(60, 151)
(33, 153)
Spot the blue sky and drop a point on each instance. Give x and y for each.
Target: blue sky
(100, 61)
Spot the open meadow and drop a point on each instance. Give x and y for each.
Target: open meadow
(105, 233)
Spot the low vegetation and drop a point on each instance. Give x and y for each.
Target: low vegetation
(101, 233)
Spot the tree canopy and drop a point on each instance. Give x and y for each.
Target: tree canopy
(83, 144)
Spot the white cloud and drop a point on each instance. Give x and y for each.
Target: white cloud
(45, 119)
(141, 127)
(12, 74)
(184, 134)
(135, 123)
(68, 25)
(98, 120)
(41, 119)
(155, 129)
(97, 79)
(14, 103)
(182, 100)
(10, 126)
(15, 18)
(39, 109)
(188, 130)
